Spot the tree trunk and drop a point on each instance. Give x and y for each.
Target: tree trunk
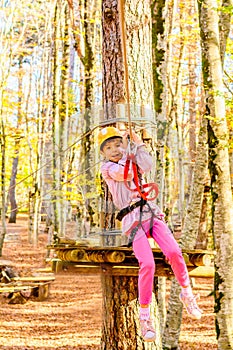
(159, 84)
(64, 114)
(11, 192)
(188, 239)
(120, 324)
(87, 158)
(84, 22)
(203, 238)
(56, 123)
(121, 329)
(222, 202)
(3, 184)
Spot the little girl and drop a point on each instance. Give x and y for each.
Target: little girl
(141, 220)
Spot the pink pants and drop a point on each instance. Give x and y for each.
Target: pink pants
(144, 255)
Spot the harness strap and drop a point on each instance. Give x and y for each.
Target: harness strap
(139, 187)
(123, 212)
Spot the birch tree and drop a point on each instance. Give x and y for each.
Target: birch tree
(13, 30)
(218, 136)
(85, 19)
(188, 239)
(60, 113)
(191, 218)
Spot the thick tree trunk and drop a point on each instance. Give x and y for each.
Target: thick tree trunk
(120, 323)
(120, 326)
(222, 206)
(121, 329)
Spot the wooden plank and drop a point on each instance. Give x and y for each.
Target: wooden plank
(202, 271)
(13, 288)
(45, 270)
(101, 255)
(162, 269)
(126, 249)
(80, 269)
(4, 263)
(34, 279)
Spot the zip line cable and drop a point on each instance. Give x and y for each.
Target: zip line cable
(72, 145)
(64, 183)
(51, 160)
(136, 122)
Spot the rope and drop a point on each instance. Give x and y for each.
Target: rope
(125, 63)
(131, 157)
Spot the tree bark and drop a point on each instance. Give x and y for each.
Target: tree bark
(83, 21)
(120, 323)
(120, 326)
(3, 181)
(222, 202)
(64, 114)
(12, 190)
(188, 238)
(56, 122)
(159, 86)
(121, 329)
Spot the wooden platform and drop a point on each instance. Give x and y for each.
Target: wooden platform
(121, 261)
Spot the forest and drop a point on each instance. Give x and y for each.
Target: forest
(164, 68)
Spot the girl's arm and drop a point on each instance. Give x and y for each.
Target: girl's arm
(143, 159)
(115, 171)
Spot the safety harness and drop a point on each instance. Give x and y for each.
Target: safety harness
(140, 188)
(131, 158)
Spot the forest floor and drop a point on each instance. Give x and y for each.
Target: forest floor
(71, 316)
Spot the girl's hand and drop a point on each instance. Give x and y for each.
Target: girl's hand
(135, 138)
(125, 139)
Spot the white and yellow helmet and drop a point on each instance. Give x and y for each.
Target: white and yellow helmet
(106, 134)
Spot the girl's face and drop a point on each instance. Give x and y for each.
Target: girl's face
(112, 150)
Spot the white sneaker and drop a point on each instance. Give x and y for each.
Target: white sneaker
(190, 304)
(148, 330)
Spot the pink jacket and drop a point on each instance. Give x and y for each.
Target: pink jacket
(113, 174)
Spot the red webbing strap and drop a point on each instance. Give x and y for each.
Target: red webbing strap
(151, 186)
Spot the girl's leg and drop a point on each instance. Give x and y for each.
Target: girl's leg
(172, 251)
(167, 243)
(144, 255)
